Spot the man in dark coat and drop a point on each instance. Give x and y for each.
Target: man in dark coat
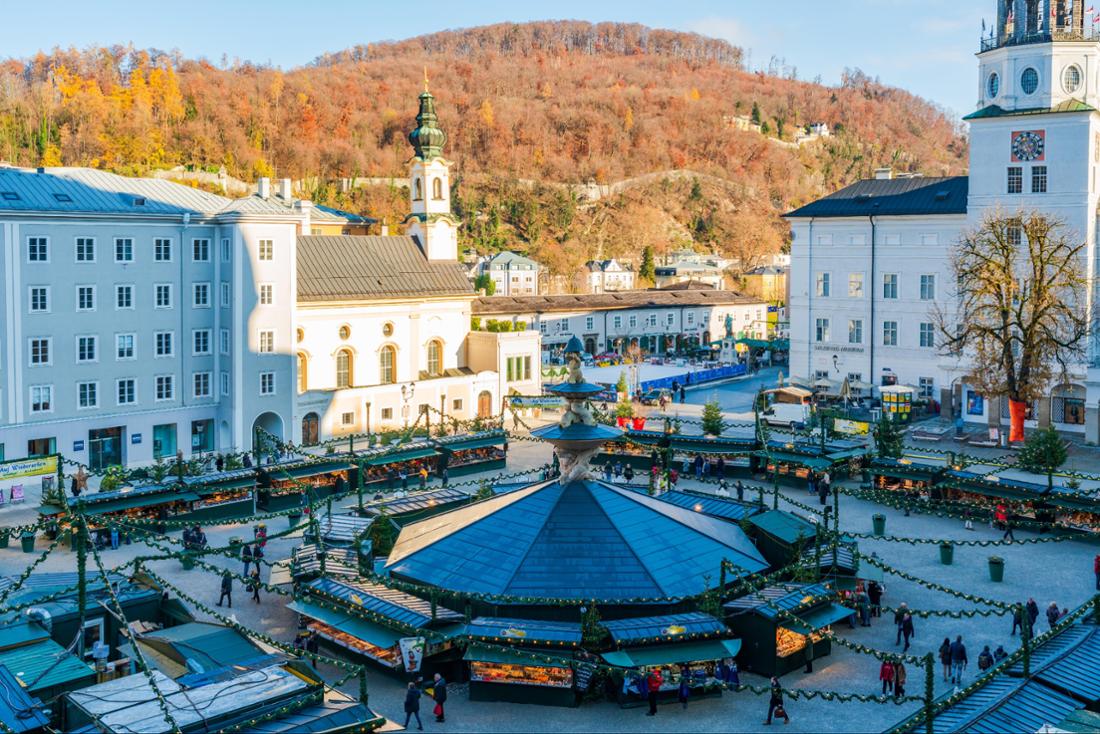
(958, 660)
(1032, 615)
(439, 693)
(227, 589)
(874, 593)
(775, 703)
(412, 705)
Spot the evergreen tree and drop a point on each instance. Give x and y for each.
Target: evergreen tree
(593, 634)
(621, 386)
(483, 281)
(712, 418)
(647, 270)
(1043, 452)
(756, 113)
(888, 437)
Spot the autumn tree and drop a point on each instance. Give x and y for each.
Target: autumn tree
(1020, 321)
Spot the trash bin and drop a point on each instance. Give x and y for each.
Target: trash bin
(878, 521)
(188, 560)
(27, 539)
(996, 568)
(947, 553)
(5, 534)
(294, 518)
(235, 541)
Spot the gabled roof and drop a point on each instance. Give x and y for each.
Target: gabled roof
(891, 197)
(509, 259)
(1069, 105)
(390, 603)
(360, 268)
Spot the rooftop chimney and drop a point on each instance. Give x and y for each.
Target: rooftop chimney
(884, 174)
(285, 189)
(264, 188)
(305, 208)
(385, 230)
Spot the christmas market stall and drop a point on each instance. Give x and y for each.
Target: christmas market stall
(382, 466)
(913, 475)
(1026, 495)
(640, 449)
(20, 712)
(226, 495)
(473, 452)
(161, 502)
(522, 660)
(774, 643)
(42, 667)
(297, 482)
(1074, 504)
(781, 536)
(795, 461)
(724, 508)
(689, 644)
(416, 506)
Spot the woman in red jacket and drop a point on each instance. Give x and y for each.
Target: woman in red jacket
(886, 675)
(654, 681)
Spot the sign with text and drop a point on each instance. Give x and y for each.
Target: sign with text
(855, 428)
(28, 467)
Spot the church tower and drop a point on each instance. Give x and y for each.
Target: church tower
(430, 220)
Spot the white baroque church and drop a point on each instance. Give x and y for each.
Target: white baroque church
(870, 262)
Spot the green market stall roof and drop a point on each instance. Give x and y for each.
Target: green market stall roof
(784, 526)
(390, 603)
(19, 711)
(526, 631)
(1003, 704)
(671, 654)
(362, 629)
(149, 495)
(1069, 662)
(418, 501)
(301, 468)
(909, 466)
(769, 601)
(40, 664)
(337, 713)
(481, 440)
(687, 626)
(40, 585)
(691, 442)
(581, 540)
(1080, 722)
(230, 479)
(212, 646)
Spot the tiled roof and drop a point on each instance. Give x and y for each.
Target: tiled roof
(356, 268)
(514, 260)
(641, 629)
(1069, 105)
(891, 197)
(608, 301)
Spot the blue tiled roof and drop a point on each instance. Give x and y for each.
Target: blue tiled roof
(727, 509)
(395, 605)
(1004, 704)
(891, 197)
(528, 631)
(1069, 662)
(781, 596)
(585, 540)
(641, 629)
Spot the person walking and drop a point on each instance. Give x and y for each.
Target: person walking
(1096, 570)
(874, 593)
(697, 462)
(958, 660)
(653, 683)
(775, 704)
(443, 476)
(313, 644)
(720, 469)
(741, 495)
(423, 477)
(811, 482)
(683, 395)
(999, 654)
(1053, 614)
(685, 687)
(114, 538)
(227, 589)
(608, 468)
(985, 659)
(899, 618)
(628, 473)
(1032, 608)
(886, 675)
(1008, 530)
(823, 491)
(863, 604)
(439, 693)
(900, 676)
(254, 585)
(246, 556)
(945, 657)
(907, 630)
(412, 705)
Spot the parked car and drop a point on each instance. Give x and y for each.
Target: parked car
(653, 396)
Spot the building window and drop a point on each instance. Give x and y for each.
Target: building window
(928, 287)
(267, 250)
(267, 383)
(41, 398)
(38, 250)
(823, 285)
(40, 299)
(162, 250)
(617, 322)
(926, 387)
(225, 294)
(226, 251)
(855, 285)
(267, 341)
(855, 331)
(85, 249)
(435, 357)
(456, 404)
(589, 323)
(387, 361)
(890, 286)
(162, 295)
(40, 349)
(124, 250)
(347, 419)
(564, 325)
(691, 318)
(518, 369)
(927, 335)
(1015, 179)
(387, 414)
(670, 318)
(889, 333)
(126, 391)
(200, 341)
(267, 294)
(164, 344)
(345, 332)
(124, 296)
(1038, 179)
(165, 387)
(223, 341)
(224, 379)
(544, 327)
(633, 321)
(200, 250)
(1015, 235)
(303, 372)
(86, 349)
(200, 295)
(85, 298)
(822, 330)
(437, 188)
(200, 382)
(87, 395)
(124, 346)
(344, 366)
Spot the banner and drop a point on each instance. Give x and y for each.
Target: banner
(412, 652)
(28, 467)
(535, 401)
(855, 428)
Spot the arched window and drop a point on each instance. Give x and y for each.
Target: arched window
(418, 189)
(343, 368)
(435, 358)
(303, 372)
(387, 364)
(437, 188)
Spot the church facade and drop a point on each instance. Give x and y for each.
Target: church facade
(870, 263)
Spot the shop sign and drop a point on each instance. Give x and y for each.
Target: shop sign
(513, 632)
(536, 401)
(135, 438)
(674, 629)
(78, 445)
(855, 428)
(412, 653)
(28, 467)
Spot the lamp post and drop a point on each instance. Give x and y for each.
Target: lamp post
(407, 392)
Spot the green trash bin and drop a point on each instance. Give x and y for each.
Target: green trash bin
(947, 553)
(5, 534)
(188, 560)
(27, 539)
(294, 518)
(996, 568)
(878, 521)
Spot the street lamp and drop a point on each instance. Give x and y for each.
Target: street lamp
(407, 392)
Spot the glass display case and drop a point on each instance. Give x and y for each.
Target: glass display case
(552, 677)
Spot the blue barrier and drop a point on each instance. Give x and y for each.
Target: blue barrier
(690, 379)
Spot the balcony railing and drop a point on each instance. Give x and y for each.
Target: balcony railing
(993, 40)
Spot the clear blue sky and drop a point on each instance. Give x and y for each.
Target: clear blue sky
(925, 46)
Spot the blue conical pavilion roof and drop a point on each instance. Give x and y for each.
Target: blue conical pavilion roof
(581, 540)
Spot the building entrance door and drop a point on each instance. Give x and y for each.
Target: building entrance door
(105, 447)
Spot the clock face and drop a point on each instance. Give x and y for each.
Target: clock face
(1028, 145)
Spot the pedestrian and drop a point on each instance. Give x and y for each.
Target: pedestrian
(313, 644)
(685, 687)
(114, 538)
(723, 488)
(775, 703)
(1017, 620)
(811, 482)
(227, 589)
(740, 491)
(443, 476)
(722, 671)
(1053, 614)
(985, 659)
(899, 618)
(683, 395)
(219, 463)
(698, 464)
(823, 492)
(246, 461)
(945, 657)
(246, 556)
(863, 606)
(423, 478)
(404, 481)
(607, 470)
(254, 585)
(874, 593)
(257, 556)
(1008, 531)
(967, 523)
(999, 654)
(673, 477)
(958, 660)
(1096, 570)
(826, 480)
(618, 470)
(1032, 615)
(720, 470)
(907, 630)
(886, 675)
(628, 473)
(653, 682)
(439, 693)
(733, 679)
(412, 705)
(900, 676)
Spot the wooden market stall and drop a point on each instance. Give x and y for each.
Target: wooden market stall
(222, 496)
(897, 401)
(472, 453)
(640, 449)
(775, 644)
(541, 671)
(161, 502)
(382, 466)
(796, 460)
(912, 474)
(297, 482)
(781, 536)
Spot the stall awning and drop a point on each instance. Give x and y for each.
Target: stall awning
(146, 500)
(683, 652)
(476, 443)
(482, 654)
(421, 453)
(811, 462)
(308, 470)
(375, 634)
(815, 619)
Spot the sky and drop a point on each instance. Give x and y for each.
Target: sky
(925, 46)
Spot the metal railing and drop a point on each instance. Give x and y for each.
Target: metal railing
(994, 40)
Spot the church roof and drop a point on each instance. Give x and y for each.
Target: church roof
(356, 268)
(891, 197)
(586, 540)
(1069, 105)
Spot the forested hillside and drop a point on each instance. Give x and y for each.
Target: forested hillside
(553, 102)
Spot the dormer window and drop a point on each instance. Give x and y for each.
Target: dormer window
(63, 198)
(9, 196)
(139, 201)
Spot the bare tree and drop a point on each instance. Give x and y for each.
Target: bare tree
(1021, 319)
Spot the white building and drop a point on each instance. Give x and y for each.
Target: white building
(604, 276)
(140, 317)
(512, 274)
(870, 262)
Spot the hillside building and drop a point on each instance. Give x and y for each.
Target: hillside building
(606, 276)
(511, 273)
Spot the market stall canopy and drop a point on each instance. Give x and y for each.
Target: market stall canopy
(532, 659)
(413, 502)
(810, 462)
(770, 601)
(687, 626)
(359, 628)
(816, 618)
(727, 509)
(299, 469)
(784, 526)
(480, 440)
(231, 479)
(402, 454)
(175, 650)
(526, 631)
(390, 603)
(673, 653)
(344, 529)
(583, 540)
